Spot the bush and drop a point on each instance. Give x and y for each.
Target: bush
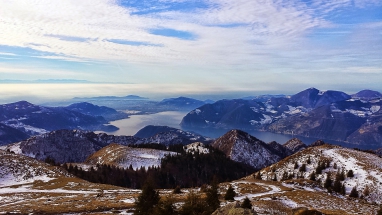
(147, 200)
(350, 174)
(177, 190)
(230, 194)
(194, 205)
(246, 203)
(303, 168)
(354, 193)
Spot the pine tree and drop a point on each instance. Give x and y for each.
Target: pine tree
(246, 203)
(312, 176)
(337, 186)
(212, 196)
(354, 192)
(350, 174)
(303, 168)
(328, 182)
(230, 194)
(295, 165)
(146, 200)
(258, 176)
(194, 205)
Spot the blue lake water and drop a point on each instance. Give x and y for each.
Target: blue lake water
(132, 125)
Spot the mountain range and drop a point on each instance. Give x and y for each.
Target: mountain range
(22, 119)
(76, 145)
(330, 115)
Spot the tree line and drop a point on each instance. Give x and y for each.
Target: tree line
(183, 169)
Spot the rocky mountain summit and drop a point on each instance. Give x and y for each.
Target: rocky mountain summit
(244, 148)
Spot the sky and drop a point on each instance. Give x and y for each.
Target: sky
(157, 48)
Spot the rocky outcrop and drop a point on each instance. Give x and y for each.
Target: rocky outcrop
(244, 148)
(295, 145)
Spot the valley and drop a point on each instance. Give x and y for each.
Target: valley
(49, 160)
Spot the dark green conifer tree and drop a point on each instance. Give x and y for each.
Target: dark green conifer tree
(147, 200)
(212, 196)
(354, 192)
(230, 194)
(246, 203)
(350, 174)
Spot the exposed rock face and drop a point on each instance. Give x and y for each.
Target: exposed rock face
(281, 150)
(196, 147)
(107, 113)
(244, 148)
(295, 145)
(317, 143)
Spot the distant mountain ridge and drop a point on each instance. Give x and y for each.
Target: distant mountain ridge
(330, 114)
(76, 145)
(30, 119)
(107, 113)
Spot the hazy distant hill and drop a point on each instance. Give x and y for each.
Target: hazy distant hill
(107, 113)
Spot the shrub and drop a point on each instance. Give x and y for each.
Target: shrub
(354, 193)
(246, 203)
(230, 194)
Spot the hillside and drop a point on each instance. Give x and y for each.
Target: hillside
(241, 147)
(107, 113)
(124, 157)
(335, 162)
(66, 145)
(29, 186)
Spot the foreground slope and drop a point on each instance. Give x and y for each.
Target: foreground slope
(28, 186)
(366, 170)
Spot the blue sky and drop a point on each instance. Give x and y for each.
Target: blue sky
(178, 47)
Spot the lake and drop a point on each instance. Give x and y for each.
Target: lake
(132, 125)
